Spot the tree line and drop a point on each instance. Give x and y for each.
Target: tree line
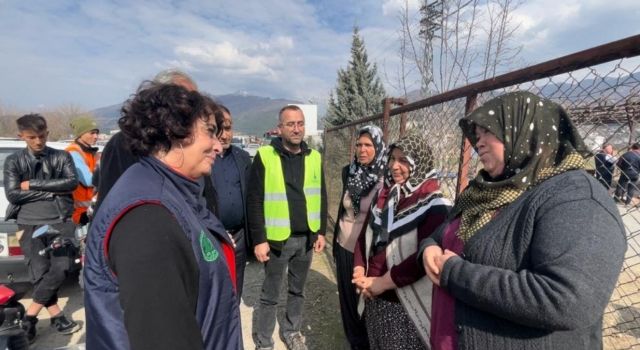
(58, 120)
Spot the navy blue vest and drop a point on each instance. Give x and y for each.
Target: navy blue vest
(150, 181)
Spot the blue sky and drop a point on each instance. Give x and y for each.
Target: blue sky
(95, 53)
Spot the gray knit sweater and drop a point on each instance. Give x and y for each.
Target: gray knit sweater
(539, 275)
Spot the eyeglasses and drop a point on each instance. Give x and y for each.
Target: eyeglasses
(291, 125)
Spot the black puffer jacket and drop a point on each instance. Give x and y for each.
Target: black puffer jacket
(51, 177)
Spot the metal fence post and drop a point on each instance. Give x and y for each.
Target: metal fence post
(385, 119)
(352, 132)
(465, 150)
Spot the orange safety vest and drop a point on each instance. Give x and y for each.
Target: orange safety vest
(82, 195)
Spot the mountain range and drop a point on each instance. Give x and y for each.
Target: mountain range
(252, 115)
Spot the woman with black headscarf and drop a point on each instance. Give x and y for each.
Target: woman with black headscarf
(361, 179)
(533, 247)
(408, 208)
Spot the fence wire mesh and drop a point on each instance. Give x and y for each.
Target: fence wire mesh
(604, 104)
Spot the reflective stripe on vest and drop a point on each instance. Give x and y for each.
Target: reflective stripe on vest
(276, 206)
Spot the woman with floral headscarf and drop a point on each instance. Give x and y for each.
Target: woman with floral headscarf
(532, 249)
(361, 179)
(408, 208)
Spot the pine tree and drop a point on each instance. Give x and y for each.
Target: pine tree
(359, 92)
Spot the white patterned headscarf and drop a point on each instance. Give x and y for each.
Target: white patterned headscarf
(363, 178)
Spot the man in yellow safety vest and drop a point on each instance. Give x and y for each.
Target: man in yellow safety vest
(287, 211)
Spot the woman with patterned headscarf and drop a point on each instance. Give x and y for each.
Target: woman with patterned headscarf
(361, 179)
(408, 208)
(532, 249)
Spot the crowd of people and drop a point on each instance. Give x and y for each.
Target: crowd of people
(525, 258)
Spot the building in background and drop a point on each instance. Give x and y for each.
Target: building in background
(313, 136)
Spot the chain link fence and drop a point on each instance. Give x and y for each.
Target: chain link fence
(600, 88)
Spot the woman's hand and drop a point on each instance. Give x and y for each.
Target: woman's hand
(358, 272)
(429, 261)
(358, 278)
(379, 285)
(440, 260)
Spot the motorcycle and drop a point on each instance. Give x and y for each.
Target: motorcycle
(12, 336)
(72, 243)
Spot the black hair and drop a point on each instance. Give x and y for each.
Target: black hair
(220, 118)
(160, 115)
(34, 122)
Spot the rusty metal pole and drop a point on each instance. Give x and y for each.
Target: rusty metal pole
(403, 116)
(385, 119)
(465, 150)
(352, 132)
(630, 117)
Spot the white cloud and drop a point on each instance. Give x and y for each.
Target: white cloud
(393, 7)
(224, 56)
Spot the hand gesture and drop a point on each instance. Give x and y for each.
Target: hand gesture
(318, 246)
(262, 252)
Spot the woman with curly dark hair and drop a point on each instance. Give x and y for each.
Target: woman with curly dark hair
(160, 270)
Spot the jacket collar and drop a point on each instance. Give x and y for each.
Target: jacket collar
(44, 154)
(85, 148)
(279, 147)
(190, 189)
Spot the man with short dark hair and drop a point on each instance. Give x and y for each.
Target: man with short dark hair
(38, 182)
(230, 175)
(629, 165)
(287, 209)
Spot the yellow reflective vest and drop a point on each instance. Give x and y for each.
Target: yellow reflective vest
(276, 206)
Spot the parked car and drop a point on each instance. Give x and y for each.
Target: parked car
(13, 269)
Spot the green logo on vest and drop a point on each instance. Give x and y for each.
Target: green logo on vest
(209, 252)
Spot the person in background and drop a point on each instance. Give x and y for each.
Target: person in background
(116, 157)
(84, 157)
(159, 266)
(230, 181)
(287, 207)
(532, 249)
(408, 208)
(38, 182)
(605, 164)
(629, 164)
(361, 180)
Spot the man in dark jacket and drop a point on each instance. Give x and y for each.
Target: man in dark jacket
(38, 182)
(287, 210)
(629, 165)
(230, 175)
